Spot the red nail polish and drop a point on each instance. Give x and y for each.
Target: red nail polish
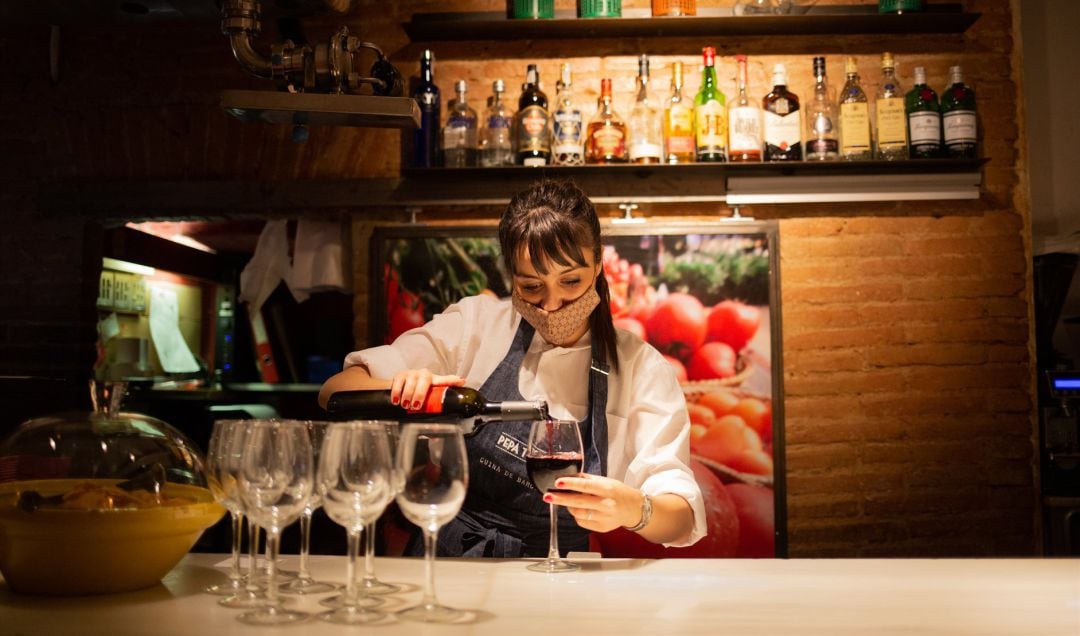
(394, 400)
(560, 484)
(547, 498)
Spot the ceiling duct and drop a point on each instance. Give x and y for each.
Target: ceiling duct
(317, 85)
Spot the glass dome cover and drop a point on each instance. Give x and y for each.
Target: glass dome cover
(140, 451)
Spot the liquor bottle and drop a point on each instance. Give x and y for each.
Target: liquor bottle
(744, 122)
(495, 147)
(782, 128)
(855, 140)
(924, 119)
(645, 125)
(678, 122)
(821, 141)
(958, 117)
(605, 138)
(710, 116)
(459, 135)
(532, 125)
(890, 130)
(442, 403)
(426, 94)
(567, 129)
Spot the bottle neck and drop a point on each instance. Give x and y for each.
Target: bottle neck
(427, 73)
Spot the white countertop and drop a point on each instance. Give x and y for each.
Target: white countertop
(724, 597)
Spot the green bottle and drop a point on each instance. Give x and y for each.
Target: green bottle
(923, 118)
(710, 115)
(958, 117)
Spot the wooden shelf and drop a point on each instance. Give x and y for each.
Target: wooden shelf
(318, 109)
(825, 20)
(729, 183)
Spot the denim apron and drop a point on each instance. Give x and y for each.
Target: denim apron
(503, 514)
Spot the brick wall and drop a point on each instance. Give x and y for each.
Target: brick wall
(906, 326)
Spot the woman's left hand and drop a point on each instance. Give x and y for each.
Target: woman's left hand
(598, 503)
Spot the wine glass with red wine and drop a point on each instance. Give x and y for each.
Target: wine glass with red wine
(554, 451)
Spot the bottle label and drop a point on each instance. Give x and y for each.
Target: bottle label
(711, 128)
(782, 131)
(781, 106)
(567, 136)
(496, 122)
(532, 134)
(925, 128)
(744, 129)
(645, 150)
(609, 141)
(959, 127)
(822, 147)
(460, 132)
(892, 127)
(680, 130)
(435, 397)
(854, 128)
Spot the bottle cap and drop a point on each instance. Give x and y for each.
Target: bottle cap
(920, 75)
(850, 66)
(887, 61)
(740, 58)
(605, 87)
(779, 74)
(819, 66)
(566, 75)
(460, 86)
(710, 55)
(498, 86)
(427, 55)
(643, 65)
(956, 75)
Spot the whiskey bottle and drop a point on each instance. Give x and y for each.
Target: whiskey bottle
(890, 120)
(710, 116)
(645, 125)
(678, 122)
(958, 117)
(605, 138)
(495, 146)
(532, 126)
(855, 139)
(567, 129)
(442, 403)
(459, 144)
(744, 122)
(426, 94)
(782, 127)
(923, 119)
(821, 141)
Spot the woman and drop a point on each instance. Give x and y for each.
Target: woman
(554, 340)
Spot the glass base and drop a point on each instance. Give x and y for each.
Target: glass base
(361, 602)
(554, 566)
(378, 588)
(272, 616)
(308, 586)
(436, 614)
(232, 587)
(244, 600)
(351, 616)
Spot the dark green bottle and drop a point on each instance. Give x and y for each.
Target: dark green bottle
(923, 119)
(958, 117)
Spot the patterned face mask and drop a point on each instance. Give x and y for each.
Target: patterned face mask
(557, 327)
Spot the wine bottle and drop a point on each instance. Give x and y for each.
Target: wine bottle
(924, 119)
(426, 94)
(958, 117)
(442, 403)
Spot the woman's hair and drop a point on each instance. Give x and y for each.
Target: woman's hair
(555, 221)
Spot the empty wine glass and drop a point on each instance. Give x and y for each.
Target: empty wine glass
(371, 584)
(229, 460)
(275, 482)
(433, 463)
(303, 583)
(223, 486)
(355, 479)
(554, 451)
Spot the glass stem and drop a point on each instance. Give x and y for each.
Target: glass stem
(429, 569)
(237, 543)
(352, 590)
(253, 557)
(271, 568)
(305, 543)
(553, 541)
(369, 554)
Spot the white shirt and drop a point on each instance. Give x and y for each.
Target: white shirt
(648, 427)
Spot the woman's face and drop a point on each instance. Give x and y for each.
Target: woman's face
(559, 286)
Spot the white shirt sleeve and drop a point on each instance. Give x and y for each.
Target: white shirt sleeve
(656, 435)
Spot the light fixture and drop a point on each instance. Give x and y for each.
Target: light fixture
(628, 217)
(847, 188)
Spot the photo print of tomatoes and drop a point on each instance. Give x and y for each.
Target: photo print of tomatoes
(706, 296)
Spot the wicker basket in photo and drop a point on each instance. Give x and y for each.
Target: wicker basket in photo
(697, 388)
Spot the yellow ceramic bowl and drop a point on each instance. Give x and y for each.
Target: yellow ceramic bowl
(62, 552)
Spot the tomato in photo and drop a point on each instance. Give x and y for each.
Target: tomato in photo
(677, 325)
(757, 520)
(713, 361)
(733, 323)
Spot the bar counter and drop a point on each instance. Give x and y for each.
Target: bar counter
(621, 596)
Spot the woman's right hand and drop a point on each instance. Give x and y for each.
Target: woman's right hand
(410, 388)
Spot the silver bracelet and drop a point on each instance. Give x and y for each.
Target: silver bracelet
(646, 514)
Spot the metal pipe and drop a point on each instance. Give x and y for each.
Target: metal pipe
(249, 59)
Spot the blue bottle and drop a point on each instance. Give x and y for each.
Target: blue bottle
(426, 94)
